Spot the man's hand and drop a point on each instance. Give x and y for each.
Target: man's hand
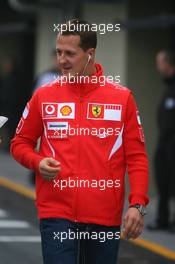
(133, 224)
(49, 168)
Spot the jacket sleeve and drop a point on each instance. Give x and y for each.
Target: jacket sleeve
(135, 155)
(29, 129)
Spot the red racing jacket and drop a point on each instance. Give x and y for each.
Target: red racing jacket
(94, 130)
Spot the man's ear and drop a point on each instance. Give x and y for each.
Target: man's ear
(91, 54)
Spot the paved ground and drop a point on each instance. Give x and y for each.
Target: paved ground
(19, 235)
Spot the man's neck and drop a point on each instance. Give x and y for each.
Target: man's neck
(90, 71)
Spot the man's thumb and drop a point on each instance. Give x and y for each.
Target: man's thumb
(54, 162)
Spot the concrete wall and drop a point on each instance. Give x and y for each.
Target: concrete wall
(45, 38)
(112, 46)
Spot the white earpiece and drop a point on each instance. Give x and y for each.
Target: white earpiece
(89, 57)
(85, 66)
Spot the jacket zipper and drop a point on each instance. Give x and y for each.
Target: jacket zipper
(80, 101)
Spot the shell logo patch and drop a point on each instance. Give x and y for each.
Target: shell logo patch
(66, 110)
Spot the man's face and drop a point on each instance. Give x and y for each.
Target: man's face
(71, 57)
(161, 63)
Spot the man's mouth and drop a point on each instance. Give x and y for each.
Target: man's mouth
(66, 68)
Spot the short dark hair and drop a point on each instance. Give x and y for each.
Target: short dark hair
(82, 28)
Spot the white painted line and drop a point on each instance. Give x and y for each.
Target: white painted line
(29, 239)
(3, 213)
(13, 224)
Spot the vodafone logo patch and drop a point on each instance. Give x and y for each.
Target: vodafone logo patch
(50, 110)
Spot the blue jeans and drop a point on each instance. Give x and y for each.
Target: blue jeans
(67, 242)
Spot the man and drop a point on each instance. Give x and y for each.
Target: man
(165, 152)
(89, 134)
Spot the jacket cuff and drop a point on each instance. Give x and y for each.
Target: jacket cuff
(138, 199)
(35, 162)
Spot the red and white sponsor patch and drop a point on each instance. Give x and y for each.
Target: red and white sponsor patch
(20, 126)
(49, 110)
(104, 111)
(141, 133)
(57, 125)
(58, 110)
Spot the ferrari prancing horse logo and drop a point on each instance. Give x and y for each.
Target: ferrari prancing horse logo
(96, 110)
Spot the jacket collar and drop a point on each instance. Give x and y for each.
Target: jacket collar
(84, 84)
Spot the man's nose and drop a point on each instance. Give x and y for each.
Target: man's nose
(62, 58)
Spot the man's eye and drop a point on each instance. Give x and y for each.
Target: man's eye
(71, 54)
